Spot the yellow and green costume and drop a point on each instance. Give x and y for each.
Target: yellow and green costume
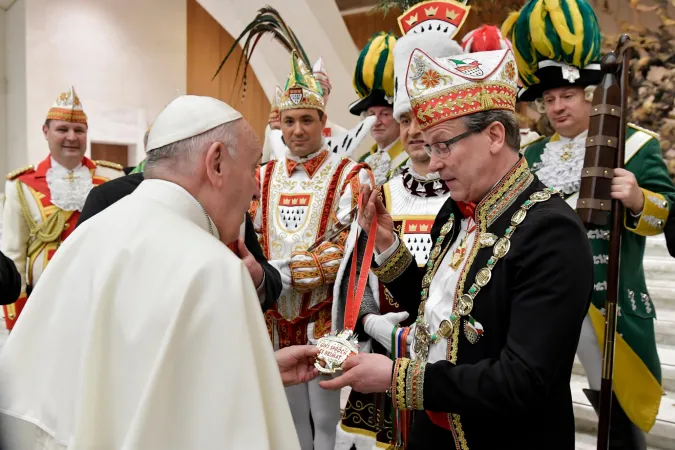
(557, 44)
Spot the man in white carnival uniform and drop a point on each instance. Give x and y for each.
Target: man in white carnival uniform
(304, 196)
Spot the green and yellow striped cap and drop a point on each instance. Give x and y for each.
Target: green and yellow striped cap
(556, 43)
(374, 73)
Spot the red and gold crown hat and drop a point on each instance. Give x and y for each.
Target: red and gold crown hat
(443, 89)
(436, 41)
(67, 107)
(445, 16)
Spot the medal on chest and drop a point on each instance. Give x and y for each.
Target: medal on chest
(567, 152)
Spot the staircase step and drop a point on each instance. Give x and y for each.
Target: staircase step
(664, 326)
(656, 246)
(589, 441)
(662, 292)
(661, 436)
(659, 268)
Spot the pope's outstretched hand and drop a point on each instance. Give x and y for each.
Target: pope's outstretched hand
(296, 364)
(365, 373)
(372, 206)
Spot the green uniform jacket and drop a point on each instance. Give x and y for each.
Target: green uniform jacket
(635, 308)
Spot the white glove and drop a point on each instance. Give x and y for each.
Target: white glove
(380, 327)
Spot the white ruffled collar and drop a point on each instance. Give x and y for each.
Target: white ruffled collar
(431, 176)
(561, 163)
(69, 188)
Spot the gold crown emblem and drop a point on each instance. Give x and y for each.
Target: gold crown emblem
(431, 11)
(303, 201)
(424, 227)
(450, 14)
(413, 227)
(286, 201)
(412, 20)
(295, 201)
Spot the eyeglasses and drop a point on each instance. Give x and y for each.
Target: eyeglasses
(442, 149)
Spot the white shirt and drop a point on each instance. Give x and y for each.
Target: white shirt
(440, 302)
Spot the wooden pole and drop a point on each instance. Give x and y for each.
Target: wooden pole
(614, 263)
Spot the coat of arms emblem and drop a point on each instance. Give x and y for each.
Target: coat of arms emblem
(468, 66)
(295, 94)
(417, 237)
(292, 211)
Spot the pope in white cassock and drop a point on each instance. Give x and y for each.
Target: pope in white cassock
(145, 332)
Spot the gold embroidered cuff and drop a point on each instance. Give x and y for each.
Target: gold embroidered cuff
(395, 265)
(418, 381)
(400, 375)
(408, 384)
(653, 217)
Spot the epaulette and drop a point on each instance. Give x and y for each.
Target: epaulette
(644, 130)
(16, 173)
(522, 147)
(108, 164)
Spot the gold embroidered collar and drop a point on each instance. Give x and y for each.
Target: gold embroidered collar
(503, 194)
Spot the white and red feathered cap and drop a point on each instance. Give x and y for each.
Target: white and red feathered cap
(319, 70)
(484, 39)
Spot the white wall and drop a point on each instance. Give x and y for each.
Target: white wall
(14, 141)
(3, 98)
(126, 59)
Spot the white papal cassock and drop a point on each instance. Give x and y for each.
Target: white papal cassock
(145, 333)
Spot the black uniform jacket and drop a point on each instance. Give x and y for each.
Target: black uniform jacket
(10, 281)
(511, 389)
(669, 231)
(108, 193)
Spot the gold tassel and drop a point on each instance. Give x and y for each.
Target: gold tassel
(486, 102)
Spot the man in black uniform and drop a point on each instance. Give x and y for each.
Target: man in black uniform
(10, 281)
(268, 288)
(507, 284)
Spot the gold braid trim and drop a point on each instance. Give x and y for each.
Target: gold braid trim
(47, 232)
(395, 265)
(420, 369)
(16, 173)
(109, 164)
(400, 383)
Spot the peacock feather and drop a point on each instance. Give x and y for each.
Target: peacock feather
(267, 21)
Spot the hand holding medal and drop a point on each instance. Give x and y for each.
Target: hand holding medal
(335, 348)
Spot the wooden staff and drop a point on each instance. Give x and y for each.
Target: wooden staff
(605, 149)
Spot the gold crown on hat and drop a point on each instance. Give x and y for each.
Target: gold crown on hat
(68, 108)
(442, 89)
(446, 16)
(301, 91)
